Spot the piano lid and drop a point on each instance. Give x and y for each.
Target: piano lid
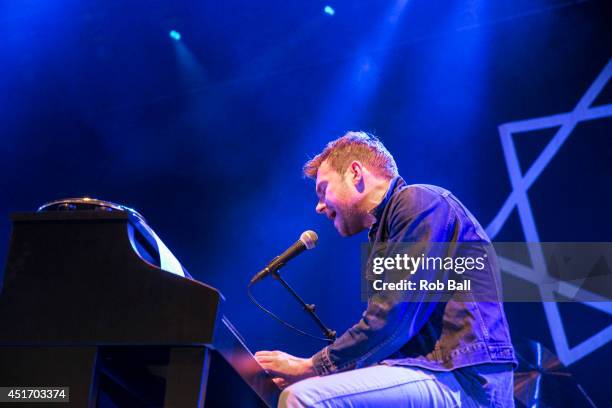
(144, 240)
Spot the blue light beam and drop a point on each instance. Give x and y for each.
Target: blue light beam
(175, 35)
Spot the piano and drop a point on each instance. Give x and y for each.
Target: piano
(93, 300)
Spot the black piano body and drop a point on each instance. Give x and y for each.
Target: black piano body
(85, 304)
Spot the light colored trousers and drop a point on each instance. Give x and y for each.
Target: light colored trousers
(399, 387)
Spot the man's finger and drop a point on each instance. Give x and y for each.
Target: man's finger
(271, 368)
(266, 357)
(280, 382)
(263, 355)
(266, 363)
(266, 353)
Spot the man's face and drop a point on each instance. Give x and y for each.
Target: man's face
(339, 200)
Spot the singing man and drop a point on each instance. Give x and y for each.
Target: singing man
(452, 353)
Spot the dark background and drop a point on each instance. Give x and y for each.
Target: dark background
(206, 136)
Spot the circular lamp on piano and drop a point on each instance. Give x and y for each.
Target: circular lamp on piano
(144, 240)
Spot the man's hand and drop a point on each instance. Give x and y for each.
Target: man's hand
(285, 368)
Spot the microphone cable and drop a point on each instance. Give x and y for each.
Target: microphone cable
(280, 320)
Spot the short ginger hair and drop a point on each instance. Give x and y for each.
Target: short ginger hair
(360, 146)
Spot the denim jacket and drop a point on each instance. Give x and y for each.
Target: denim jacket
(440, 336)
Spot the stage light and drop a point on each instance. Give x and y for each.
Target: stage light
(175, 35)
(329, 10)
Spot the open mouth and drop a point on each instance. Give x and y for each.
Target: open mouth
(332, 215)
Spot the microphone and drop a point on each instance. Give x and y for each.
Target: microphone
(307, 240)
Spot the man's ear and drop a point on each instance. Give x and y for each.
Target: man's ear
(356, 172)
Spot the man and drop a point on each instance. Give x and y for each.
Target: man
(415, 353)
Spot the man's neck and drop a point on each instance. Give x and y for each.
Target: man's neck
(376, 195)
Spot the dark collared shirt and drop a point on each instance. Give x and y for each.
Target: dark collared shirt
(439, 336)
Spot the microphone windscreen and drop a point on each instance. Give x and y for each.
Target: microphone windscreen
(309, 238)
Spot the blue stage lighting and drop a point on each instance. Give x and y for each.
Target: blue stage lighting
(175, 35)
(329, 10)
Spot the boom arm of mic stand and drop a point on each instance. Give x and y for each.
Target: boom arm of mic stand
(308, 308)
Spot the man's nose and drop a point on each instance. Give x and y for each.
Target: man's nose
(320, 207)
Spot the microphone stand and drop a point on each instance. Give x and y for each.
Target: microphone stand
(308, 308)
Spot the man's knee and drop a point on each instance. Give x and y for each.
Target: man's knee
(296, 396)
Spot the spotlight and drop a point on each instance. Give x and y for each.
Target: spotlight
(329, 10)
(175, 35)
